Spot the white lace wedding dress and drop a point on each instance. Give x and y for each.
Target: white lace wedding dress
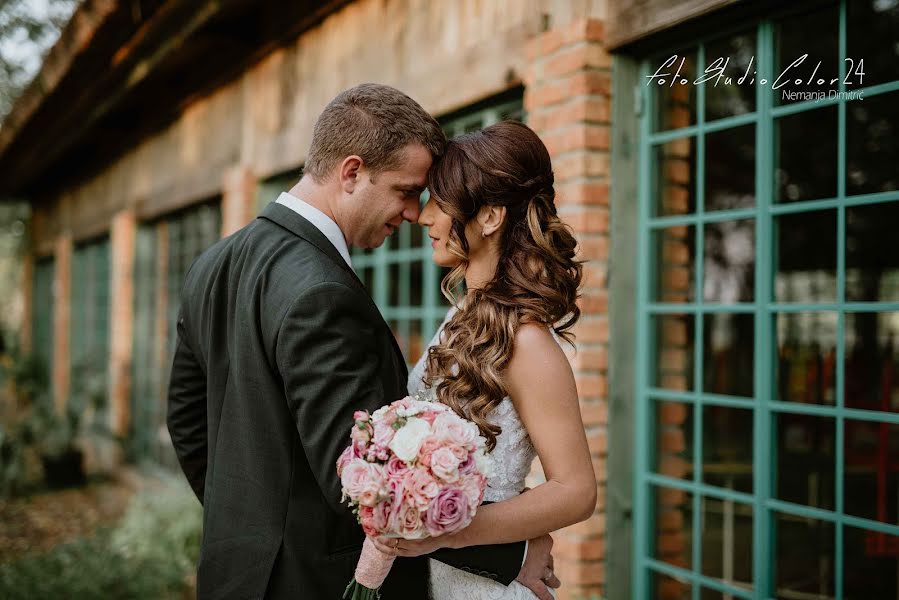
(512, 456)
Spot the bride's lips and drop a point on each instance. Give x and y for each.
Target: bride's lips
(434, 241)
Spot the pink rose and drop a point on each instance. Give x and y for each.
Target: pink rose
(401, 403)
(455, 430)
(361, 434)
(445, 464)
(366, 519)
(360, 448)
(345, 457)
(396, 468)
(360, 415)
(448, 512)
(473, 486)
(461, 452)
(381, 517)
(428, 446)
(407, 521)
(468, 466)
(421, 487)
(363, 481)
(430, 416)
(383, 434)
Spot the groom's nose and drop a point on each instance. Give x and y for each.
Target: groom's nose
(412, 210)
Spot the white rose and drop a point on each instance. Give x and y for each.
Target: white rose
(484, 462)
(408, 439)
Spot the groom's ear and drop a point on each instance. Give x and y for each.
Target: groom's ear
(349, 173)
(491, 218)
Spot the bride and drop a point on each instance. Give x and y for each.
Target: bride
(497, 359)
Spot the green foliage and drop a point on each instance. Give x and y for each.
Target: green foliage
(147, 555)
(29, 30)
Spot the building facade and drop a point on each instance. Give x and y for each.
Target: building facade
(736, 361)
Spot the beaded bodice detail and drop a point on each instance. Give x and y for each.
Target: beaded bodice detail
(513, 454)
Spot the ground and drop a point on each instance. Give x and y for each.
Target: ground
(43, 520)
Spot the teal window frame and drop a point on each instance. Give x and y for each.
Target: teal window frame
(190, 232)
(42, 326)
(89, 324)
(147, 410)
(764, 309)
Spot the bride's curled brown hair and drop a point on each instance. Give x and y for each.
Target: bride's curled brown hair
(537, 277)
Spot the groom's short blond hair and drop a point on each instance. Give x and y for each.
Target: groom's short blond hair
(374, 122)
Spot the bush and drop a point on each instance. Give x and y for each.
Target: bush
(147, 555)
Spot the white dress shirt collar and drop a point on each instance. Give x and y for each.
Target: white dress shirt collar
(321, 221)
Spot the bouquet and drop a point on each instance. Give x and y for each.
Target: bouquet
(414, 469)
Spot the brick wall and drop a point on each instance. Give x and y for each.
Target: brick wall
(568, 103)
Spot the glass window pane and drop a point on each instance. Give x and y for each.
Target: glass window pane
(665, 587)
(806, 257)
(806, 160)
(805, 459)
(804, 557)
(730, 93)
(871, 472)
(872, 262)
(727, 447)
(416, 341)
(675, 268)
(673, 90)
(815, 34)
(728, 348)
(393, 284)
(872, 361)
(675, 181)
(729, 267)
(872, 34)
(730, 168)
(805, 370)
(674, 335)
(726, 543)
(673, 539)
(872, 143)
(674, 439)
(870, 565)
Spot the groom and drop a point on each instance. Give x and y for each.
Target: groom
(279, 343)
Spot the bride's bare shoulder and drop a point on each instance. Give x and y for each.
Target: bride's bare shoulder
(535, 345)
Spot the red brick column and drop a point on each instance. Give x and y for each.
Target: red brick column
(568, 103)
(238, 199)
(121, 319)
(62, 304)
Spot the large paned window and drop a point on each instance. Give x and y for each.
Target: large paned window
(89, 325)
(42, 315)
(767, 388)
(164, 251)
(400, 275)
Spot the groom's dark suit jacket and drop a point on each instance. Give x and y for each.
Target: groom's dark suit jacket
(278, 344)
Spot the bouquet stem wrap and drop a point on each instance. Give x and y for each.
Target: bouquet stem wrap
(371, 571)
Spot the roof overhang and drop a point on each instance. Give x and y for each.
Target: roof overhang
(122, 70)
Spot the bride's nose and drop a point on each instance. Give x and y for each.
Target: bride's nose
(426, 217)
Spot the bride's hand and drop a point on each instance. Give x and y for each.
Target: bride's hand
(400, 547)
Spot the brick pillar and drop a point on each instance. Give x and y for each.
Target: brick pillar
(121, 319)
(568, 102)
(62, 302)
(26, 290)
(238, 199)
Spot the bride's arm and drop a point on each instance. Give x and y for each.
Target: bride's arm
(541, 384)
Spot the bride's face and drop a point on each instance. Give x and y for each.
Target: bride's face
(439, 224)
